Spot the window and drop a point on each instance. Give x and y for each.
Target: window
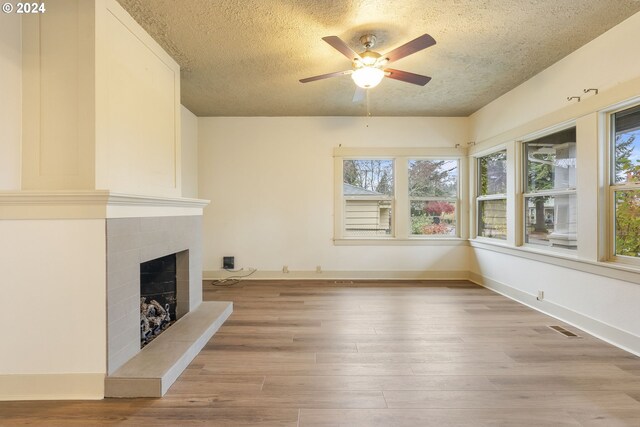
(550, 190)
(492, 195)
(625, 182)
(406, 194)
(433, 197)
(367, 188)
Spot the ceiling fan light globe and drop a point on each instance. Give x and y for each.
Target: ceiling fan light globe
(367, 77)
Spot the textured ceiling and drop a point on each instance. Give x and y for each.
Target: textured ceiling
(245, 57)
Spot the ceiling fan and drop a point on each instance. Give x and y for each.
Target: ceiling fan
(369, 67)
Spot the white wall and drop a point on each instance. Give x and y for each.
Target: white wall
(11, 105)
(101, 103)
(58, 132)
(603, 306)
(271, 183)
(599, 303)
(189, 143)
(603, 63)
(137, 109)
(53, 289)
(88, 100)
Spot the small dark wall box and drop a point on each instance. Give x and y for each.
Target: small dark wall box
(228, 262)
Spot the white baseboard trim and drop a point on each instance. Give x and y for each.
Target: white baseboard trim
(603, 331)
(52, 386)
(339, 275)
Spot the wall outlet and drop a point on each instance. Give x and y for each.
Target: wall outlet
(318, 269)
(285, 269)
(540, 295)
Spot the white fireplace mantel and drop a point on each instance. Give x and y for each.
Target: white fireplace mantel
(93, 204)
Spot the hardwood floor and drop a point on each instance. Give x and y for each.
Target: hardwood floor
(377, 354)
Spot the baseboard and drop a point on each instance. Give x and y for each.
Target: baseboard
(52, 386)
(603, 331)
(338, 275)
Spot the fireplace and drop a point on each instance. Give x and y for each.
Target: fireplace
(157, 297)
(131, 243)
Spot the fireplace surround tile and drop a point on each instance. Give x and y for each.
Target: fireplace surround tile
(131, 241)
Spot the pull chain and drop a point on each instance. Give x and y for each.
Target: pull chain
(368, 110)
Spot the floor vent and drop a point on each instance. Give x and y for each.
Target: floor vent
(343, 282)
(564, 332)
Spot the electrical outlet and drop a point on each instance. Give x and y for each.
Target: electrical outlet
(540, 295)
(318, 269)
(285, 269)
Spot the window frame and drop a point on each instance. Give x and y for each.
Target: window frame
(392, 199)
(401, 220)
(612, 187)
(525, 193)
(489, 197)
(455, 200)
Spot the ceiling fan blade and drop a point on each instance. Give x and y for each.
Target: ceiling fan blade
(415, 45)
(359, 94)
(405, 76)
(337, 43)
(325, 76)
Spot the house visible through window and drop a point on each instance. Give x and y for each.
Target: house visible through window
(625, 182)
(396, 195)
(492, 195)
(550, 190)
(367, 190)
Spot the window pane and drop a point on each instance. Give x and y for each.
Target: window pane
(626, 125)
(492, 218)
(368, 197)
(433, 178)
(551, 221)
(492, 170)
(433, 217)
(551, 162)
(369, 176)
(627, 225)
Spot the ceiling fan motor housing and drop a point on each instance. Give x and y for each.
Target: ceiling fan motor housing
(368, 58)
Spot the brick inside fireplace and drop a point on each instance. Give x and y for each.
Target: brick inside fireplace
(157, 297)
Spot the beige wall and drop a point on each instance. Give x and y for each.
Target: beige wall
(88, 102)
(587, 293)
(11, 104)
(271, 184)
(138, 109)
(54, 310)
(58, 127)
(189, 143)
(603, 63)
(101, 103)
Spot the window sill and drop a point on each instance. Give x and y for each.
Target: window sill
(491, 241)
(608, 269)
(390, 241)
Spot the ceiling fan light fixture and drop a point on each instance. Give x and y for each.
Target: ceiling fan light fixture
(367, 77)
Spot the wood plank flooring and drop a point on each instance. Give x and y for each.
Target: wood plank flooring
(318, 353)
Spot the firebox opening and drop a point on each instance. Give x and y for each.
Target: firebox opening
(157, 297)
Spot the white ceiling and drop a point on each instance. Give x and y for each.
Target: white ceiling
(245, 57)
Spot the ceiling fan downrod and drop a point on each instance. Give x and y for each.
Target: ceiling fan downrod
(368, 41)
